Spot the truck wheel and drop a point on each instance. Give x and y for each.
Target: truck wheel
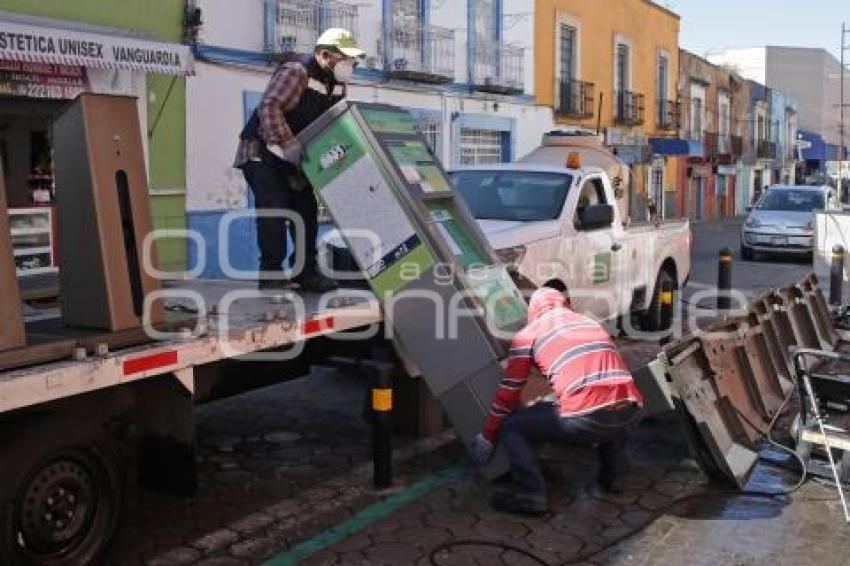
(747, 253)
(652, 319)
(61, 495)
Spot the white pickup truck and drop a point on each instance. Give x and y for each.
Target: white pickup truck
(560, 225)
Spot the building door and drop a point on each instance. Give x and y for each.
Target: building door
(758, 179)
(481, 147)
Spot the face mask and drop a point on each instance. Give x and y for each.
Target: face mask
(343, 71)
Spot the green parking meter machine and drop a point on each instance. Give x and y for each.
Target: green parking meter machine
(451, 304)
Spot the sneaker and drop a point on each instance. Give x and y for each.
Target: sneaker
(274, 285)
(522, 503)
(316, 283)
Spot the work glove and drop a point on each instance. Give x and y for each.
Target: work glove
(291, 152)
(481, 450)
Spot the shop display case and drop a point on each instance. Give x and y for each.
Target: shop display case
(32, 240)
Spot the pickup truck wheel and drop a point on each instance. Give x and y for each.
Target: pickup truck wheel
(652, 319)
(747, 253)
(60, 497)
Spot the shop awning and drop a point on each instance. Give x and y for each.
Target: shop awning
(669, 146)
(42, 40)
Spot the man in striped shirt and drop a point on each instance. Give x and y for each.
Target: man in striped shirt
(594, 401)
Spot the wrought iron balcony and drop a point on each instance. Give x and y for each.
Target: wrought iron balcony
(498, 67)
(299, 22)
(425, 54)
(575, 99)
(667, 112)
(629, 108)
(765, 149)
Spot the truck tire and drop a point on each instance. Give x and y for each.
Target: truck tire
(61, 494)
(651, 318)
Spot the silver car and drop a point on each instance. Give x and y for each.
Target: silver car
(782, 220)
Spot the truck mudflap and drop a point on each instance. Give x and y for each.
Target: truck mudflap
(728, 382)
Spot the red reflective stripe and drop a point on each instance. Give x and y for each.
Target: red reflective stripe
(138, 365)
(314, 325)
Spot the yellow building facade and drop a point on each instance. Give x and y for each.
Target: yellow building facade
(613, 65)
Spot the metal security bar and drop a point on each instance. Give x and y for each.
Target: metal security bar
(498, 67)
(575, 98)
(629, 109)
(422, 53)
(299, 22)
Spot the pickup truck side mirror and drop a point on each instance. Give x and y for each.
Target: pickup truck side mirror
(596, 216)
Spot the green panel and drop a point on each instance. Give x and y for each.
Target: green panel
(162, 18)
(167, 135)
(601, 268)
(389, 121)
(342, 149)
(466, 251)
(417, 164)
(332, 152)
(169, 213)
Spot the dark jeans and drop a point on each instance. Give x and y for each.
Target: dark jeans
(272, 188)
(542, 423)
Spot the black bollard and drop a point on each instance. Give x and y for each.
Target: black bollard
(382, 427)
(724, 280)
(836, 275)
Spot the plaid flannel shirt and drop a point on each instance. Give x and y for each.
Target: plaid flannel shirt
(285, 89)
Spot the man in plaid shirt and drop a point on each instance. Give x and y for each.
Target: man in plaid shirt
(269, 154)
(594, 401)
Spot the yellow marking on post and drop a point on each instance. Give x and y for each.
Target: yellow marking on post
(382, 400)
(666, 297)
(726, 258)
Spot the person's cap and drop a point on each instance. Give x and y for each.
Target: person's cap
(343, 40)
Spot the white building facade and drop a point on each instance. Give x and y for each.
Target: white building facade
(463, 68)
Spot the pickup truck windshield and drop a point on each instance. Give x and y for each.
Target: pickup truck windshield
(521, 196)
(790, 200)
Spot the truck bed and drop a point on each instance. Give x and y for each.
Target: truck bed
(253, 323)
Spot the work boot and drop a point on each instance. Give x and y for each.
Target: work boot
(316, 283)
(518, 502)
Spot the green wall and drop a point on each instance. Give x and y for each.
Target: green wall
(162, 19)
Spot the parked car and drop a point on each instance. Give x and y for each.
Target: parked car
(782, 221)
(561, 225)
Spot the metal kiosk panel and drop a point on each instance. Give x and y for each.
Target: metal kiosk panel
(450, 302)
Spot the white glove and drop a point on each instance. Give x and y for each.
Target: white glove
(480, 450)
(291, 152)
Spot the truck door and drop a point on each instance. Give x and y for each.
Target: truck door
(596, 263)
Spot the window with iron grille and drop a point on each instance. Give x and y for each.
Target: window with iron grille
(662, 85)
(622, 81)
(486, 52)
(568, 50)
(480, 147)
(299, 22)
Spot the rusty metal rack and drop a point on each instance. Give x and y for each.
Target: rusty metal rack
(731, 383)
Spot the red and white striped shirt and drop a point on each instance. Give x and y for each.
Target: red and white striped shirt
(573, 352)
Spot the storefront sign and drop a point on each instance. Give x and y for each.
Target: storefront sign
(47, 45)
(42, 80)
